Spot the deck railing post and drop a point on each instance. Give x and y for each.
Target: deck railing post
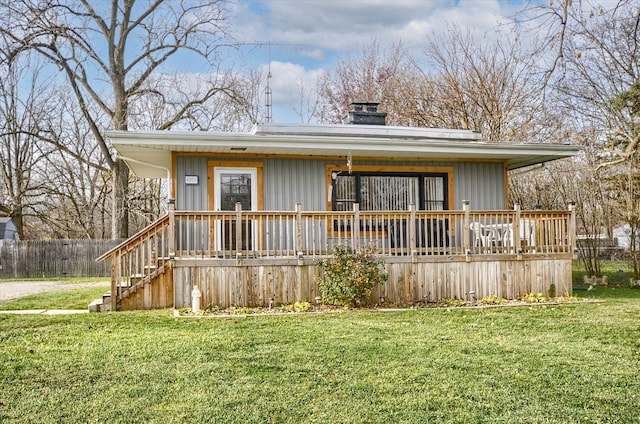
(517, 243)
(238, 230)
(171, 242)
(572, 230)
(355, 230)
(411, 228)
(115, 279)
(299, 230)
(466, 228)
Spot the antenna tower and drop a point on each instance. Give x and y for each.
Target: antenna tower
(268, 118)
(267, 95)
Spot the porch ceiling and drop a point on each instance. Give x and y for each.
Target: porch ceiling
(148, 153)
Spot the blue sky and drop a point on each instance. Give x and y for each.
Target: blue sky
(302, 38)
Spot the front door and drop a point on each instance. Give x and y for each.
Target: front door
(231, 186)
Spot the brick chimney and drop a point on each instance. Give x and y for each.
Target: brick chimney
(365, 113)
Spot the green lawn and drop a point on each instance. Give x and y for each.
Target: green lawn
(567, 364)
(618, 272)
(78, 298)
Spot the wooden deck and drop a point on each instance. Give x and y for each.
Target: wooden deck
(252, 258)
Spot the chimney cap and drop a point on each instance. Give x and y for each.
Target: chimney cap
(367, 106)
(365, 113)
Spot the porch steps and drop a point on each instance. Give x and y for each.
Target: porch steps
(124, 290)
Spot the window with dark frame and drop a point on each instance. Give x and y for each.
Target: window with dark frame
(390, 191)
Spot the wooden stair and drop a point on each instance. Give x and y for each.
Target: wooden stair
(140, 262)
(136, 282)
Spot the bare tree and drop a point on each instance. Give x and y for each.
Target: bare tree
(24, 103)
(162, 105)
(592, 75)
(463, 81)
(556, 184)
(109, 50)
(77, 177)
(594, 66)
(309, 103)
(376, 74)
(482, 84)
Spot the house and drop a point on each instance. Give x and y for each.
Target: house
(8, 231)
(253, 212)
(622, 234)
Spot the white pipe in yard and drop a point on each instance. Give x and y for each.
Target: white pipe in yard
(195, 299)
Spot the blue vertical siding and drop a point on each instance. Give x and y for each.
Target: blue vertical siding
(291, 181)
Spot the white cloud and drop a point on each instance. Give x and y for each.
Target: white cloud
(301, 37)
(339, 25)
(288, 79)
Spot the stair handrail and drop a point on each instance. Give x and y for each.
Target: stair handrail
(129, 243)
(135, 242)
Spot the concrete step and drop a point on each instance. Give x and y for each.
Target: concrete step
(100, 305)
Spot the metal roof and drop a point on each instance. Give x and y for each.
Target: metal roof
(148, 153)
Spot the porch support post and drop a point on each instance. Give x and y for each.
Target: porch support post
(299, 231)
(517, 244)
(238, 231)
(572, 230)
(412, 230)
(171, 243)
(355, 230)
(466, 242)
(115, 279)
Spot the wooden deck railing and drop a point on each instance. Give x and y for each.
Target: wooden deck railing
(298, 234)
(310, 234)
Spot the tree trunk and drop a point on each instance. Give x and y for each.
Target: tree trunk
(120, 192)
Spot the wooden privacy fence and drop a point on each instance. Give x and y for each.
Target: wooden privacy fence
(54, 258)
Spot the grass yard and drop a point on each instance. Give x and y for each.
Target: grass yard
(567, 364)
(78, 298)
(618, 272)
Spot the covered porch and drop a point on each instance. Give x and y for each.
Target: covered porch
(261, 258)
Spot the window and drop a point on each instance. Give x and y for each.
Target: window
(390, 191)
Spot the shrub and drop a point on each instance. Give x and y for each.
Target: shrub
(296, 307)
(493, 300)
(244, 310)
(535, 298)
(451, 302)
(349, 277)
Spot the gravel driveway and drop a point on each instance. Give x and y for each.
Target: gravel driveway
(16, 289)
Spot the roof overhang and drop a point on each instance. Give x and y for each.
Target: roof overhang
(149, 153)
